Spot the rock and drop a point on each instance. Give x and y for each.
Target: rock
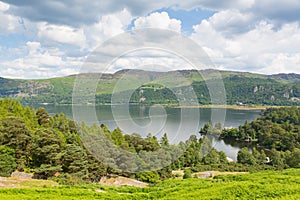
(121, 181)
(21, 175)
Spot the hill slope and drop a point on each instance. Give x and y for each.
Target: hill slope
(161, 87)
(262, 185)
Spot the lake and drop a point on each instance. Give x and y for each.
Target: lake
(178, 123)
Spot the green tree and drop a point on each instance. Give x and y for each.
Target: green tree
(43, 117)
(7, 161)
(164, 141)
(75, 161)
(212, 157)
(15, 134)
(118, 137)
(245, 157)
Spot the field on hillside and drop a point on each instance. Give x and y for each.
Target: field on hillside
(261, 185)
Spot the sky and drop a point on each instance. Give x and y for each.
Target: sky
(52, 38)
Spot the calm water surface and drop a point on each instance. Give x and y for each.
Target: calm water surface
(178, 123)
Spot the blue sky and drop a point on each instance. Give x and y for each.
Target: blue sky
(41, 39)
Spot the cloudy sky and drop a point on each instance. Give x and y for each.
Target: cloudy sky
(40, 39)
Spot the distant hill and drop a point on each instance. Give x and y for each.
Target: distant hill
(161, 87)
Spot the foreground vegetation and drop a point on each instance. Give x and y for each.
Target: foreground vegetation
(261, 185)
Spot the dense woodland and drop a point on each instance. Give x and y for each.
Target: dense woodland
(50, 146)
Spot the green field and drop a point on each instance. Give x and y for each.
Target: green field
(262, 185)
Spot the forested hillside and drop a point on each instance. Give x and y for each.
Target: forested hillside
(241, 88)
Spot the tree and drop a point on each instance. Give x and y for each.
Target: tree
(212, 157)
(164, 141)
(245, 157)
(277, 159)
(43, 117)
(15, 134)
(75, 161)
(294, 159)
(117, 136)
(7, 161)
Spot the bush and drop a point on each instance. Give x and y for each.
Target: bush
(187, 174)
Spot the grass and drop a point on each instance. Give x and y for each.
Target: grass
(261, 185)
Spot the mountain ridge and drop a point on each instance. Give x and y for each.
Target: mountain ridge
(241, 87)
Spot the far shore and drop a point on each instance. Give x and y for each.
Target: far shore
(234, 107)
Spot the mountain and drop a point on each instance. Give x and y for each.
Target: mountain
(151, 87)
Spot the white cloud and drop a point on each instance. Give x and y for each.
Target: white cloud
(263, 48)
(250, 35)
(61, 34)
(158, 20)
(40, 62)
(4, 6)
(107, 27)
(8, 23)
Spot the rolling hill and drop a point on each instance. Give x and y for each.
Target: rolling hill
(150, 87)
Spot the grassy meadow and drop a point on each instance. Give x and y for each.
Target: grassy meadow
(259, 185)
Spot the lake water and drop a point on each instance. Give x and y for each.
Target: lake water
(178, 123)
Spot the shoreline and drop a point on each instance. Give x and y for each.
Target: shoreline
(234, 107)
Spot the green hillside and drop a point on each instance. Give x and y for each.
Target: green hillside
(161, 87)
(262, 185)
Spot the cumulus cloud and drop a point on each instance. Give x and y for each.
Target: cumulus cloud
(107, 27)
(61, 34)
(8, 23)
(263, 48)
(40, 62)
(249, 35)
(77, 12)
(158, 20)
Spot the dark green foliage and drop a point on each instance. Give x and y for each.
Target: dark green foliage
(43, 117)
(7, 161)
(15, 134)
(43, 144)
(245, 157)
(74, 161)
(187, 173)
(278, 128)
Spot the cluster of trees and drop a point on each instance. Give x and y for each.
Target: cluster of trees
(48, 146)
(33, 141)
(278, 129)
